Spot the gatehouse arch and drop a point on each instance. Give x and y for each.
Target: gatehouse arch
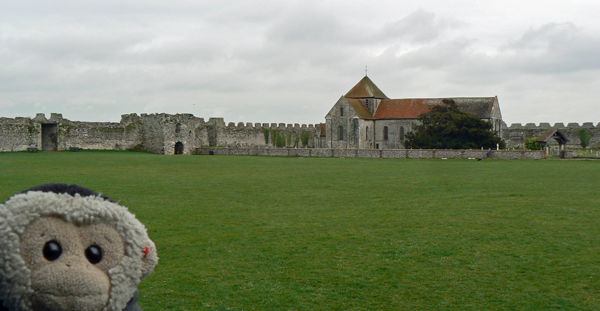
(179, 148)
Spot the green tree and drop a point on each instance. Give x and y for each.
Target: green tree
(305, 138)
(584, 138)
(446, 127)
(532, 143)
(278, 138)
(281, 140)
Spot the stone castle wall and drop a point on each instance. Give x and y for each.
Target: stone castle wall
(515, 134)
(58, 133)
(98, 135)
(162, 133)
(152, 134)
(19, 133)
(381, 153)
(265, 135)
(156, 133)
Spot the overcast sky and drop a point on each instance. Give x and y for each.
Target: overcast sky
(290, 61)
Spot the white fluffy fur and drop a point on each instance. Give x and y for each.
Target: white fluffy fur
(21, 209)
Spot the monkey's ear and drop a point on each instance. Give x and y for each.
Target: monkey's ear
(150, 259)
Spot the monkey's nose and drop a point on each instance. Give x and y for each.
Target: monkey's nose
(70, 263)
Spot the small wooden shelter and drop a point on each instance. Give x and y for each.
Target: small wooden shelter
(554, 133)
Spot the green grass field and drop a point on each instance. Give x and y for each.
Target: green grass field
(261, 233)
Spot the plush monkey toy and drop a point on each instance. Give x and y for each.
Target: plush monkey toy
(66, 248)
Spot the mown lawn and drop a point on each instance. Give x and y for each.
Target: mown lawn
(270, 233)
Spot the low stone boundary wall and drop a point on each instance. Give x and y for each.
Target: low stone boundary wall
(383, 153)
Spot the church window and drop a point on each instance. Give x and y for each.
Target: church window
(341, 132)
(402, 133)
(178, 128)
(367, 133)
(342, 111)
(385, 133)
(367, 104)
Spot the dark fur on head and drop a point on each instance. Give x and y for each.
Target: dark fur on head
(68, 189)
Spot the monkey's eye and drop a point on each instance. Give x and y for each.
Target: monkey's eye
(52, 250)
(94, 254)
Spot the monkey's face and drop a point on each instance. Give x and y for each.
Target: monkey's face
(70, 264)
(67, 248)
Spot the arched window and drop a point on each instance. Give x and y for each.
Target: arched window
(402, 133)
(341, 133)
(178, 128)
(367, 133)
(385, 133)
(342, 111)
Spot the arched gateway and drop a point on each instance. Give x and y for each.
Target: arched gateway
(179, 148)
(554, 133)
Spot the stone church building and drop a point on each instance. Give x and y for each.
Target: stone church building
(365, 118)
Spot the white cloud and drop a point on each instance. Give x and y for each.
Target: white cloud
(289, 61)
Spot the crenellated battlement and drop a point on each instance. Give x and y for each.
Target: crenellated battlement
(183, 133)
(545, 126)
(516, 134)
(258, 126)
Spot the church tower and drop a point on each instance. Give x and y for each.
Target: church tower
(368, 93)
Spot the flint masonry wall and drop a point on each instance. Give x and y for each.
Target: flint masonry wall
(19, 133)
(157, 133)
(99, 135)
(161, 133)
(516, 134)
(379, 153)
(58, 133)
(260, 135)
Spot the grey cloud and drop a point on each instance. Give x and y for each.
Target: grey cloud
(419, 27)
(78, 44)
(305, 25)
(546, 36)
(555, 48)
(549, 49)
(440, 55)
(104, 12)
(256, 12)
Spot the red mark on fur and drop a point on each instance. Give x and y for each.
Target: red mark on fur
(146, 250)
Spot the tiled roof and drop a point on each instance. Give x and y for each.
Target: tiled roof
(403, 108)
(365, 88)
(553, 133)
(411, 108)
(479, 106)
(360, 109)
